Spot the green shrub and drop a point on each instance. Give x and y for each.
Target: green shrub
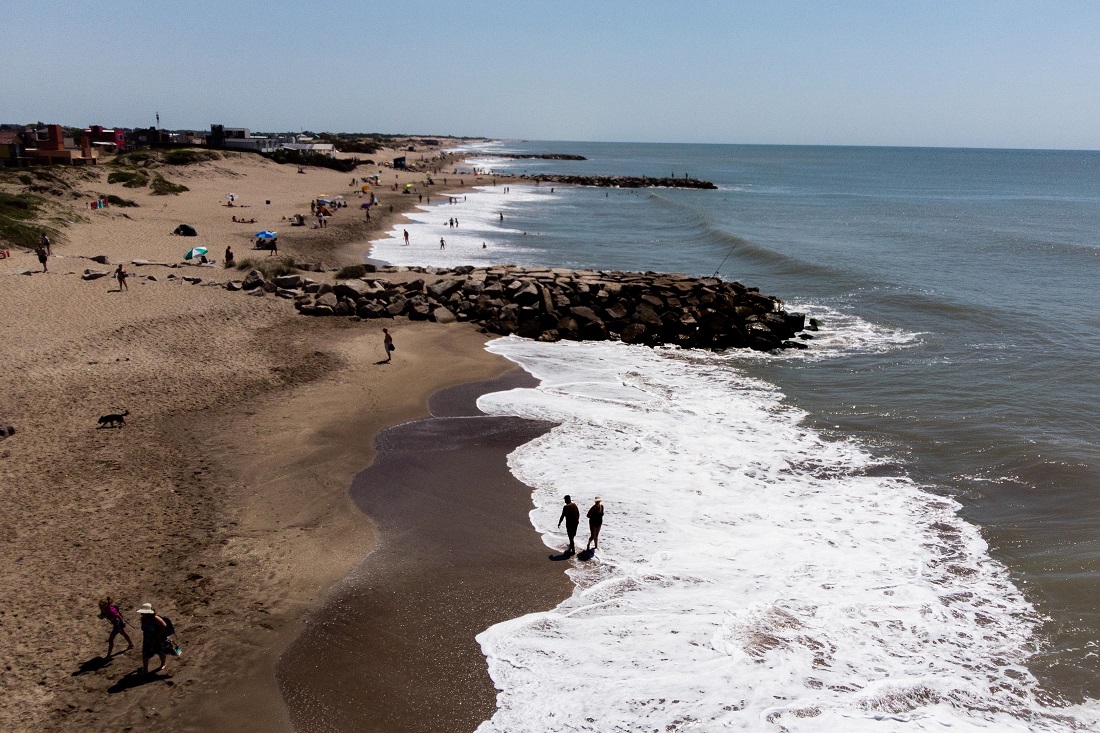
(188, 156)
(269, 266)
(351, 272)
(161, 186)
(129, 179)
(119, 201)
(19, 215)
(297, 157)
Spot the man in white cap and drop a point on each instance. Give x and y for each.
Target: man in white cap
(154, 633)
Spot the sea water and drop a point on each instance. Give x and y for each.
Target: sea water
(892, 530)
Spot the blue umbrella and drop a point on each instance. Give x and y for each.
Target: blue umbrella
(266, 235)
(325, 201)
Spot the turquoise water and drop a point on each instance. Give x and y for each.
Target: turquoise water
(972, 275)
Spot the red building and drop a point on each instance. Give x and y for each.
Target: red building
(102, 138)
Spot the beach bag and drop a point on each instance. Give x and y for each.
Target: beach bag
(170, 645)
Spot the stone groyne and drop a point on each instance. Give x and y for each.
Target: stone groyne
(620, 181)
(553, 304)
(537, 156)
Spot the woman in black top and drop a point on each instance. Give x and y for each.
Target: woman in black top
(595, 521)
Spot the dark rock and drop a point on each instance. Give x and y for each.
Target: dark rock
(101, 259)
(93, 274)
(443, 315)
(254, 279)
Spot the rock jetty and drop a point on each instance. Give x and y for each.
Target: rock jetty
(554, 304)
(538, 156)
(621, 181)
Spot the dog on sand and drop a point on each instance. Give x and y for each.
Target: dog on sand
(117, 420)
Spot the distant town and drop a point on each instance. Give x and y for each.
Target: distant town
(52, 144)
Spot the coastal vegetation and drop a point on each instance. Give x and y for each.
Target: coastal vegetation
(19, 218)
(297, 157)
(189, 156)
(161, 186)
(270, 267)
(129, 178)
(350, 272)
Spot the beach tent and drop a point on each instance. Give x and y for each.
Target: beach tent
(324, 201)
(266, 234)
(231, 196)
(194, 252)
(185, 230)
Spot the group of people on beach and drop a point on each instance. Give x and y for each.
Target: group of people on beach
(571, 515)
(157, 633)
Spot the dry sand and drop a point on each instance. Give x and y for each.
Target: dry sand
(223, 501)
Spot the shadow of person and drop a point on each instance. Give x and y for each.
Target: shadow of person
(586, 554)
(384, 361)
(136, 678)
(92, 665)
(564, 556)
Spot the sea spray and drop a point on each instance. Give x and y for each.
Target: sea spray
(752, 575)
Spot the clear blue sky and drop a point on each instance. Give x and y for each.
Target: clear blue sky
(1001, 73)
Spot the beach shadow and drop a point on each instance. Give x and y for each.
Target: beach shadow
(564, 556)
(586, 554)
(380, 363)
(136, 678)
(92, 665)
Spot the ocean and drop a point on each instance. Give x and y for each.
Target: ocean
(896, 529)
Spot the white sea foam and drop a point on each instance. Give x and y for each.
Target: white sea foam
(478, 223)
(751, 575)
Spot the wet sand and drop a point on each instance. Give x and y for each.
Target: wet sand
(393, 649)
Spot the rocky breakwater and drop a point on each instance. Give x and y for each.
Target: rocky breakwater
(554, 304)
(621, 181)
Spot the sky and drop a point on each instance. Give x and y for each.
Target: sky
(958, 73)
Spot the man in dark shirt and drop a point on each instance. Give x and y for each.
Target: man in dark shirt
(571, 513)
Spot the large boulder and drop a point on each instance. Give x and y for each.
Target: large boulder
(291, 282)
(254, 279)
(443, 315)
(442, 288)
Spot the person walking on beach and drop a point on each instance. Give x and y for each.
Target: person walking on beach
(109, 611)
(121, 275)
(388, 344)
(46, 243)
(595, 521)
(406, 231)
(571, 513)
(442, 243)
(154, 638)
(42, 256)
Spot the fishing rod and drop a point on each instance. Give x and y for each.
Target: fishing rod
(724, 260)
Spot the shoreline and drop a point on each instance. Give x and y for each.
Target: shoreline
(453, 533)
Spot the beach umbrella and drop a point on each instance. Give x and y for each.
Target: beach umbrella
(337, 198)
(324, 201)
(266, 234)
(365, 189)
(231, 196)
(194, 252)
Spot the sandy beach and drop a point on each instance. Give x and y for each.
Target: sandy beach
(223, 501)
